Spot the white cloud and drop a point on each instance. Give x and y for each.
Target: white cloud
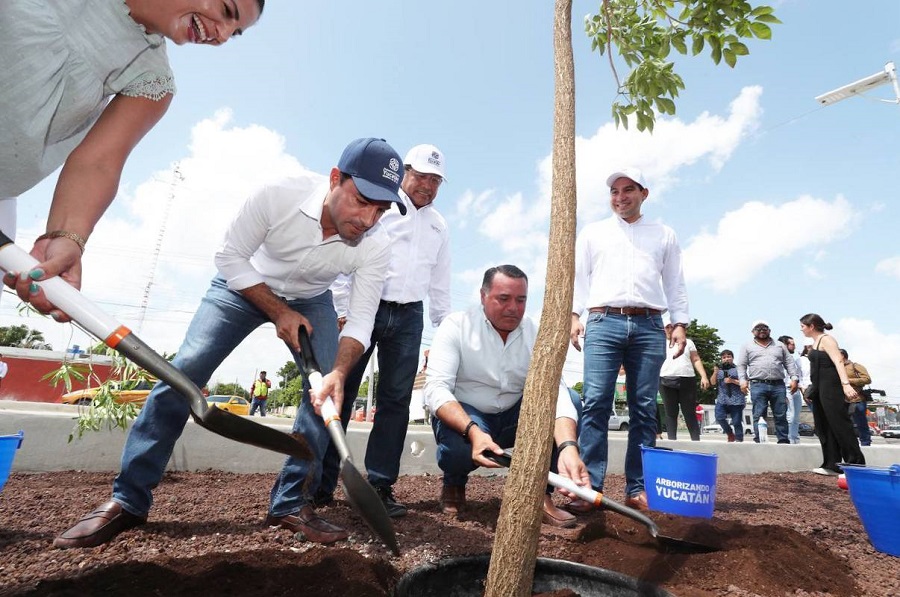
(889, 266)
(221, 167)
(745, 236)
(876, 350)
(520, 224)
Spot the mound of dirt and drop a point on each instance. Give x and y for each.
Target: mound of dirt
(779, 534)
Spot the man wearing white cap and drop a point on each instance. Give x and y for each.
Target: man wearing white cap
(627, 274)
(419, 267)
(761, 366)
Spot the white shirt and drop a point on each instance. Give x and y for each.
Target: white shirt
(469, 362)
(419, 265)
(4, 369)
(618, 264)
(682, 366)
(276, 239)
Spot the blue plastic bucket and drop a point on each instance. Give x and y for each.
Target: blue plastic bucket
(876, 494)
(682, 483)
(8, 446)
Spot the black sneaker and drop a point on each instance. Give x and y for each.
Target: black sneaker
(393, 507)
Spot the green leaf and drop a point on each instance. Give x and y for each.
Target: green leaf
(739, 49)
(666, 105)
(716, 54)
(761, 10)
(678, 42)
(761, 30)
(730, 58)
(698, 45)
(768, 19)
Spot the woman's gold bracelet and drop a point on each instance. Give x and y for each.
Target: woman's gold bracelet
(76, 238)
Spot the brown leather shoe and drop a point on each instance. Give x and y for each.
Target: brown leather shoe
(98, 527)
(579, 506)
(638, 501)
(453, 499)
(311, 526)
(556, 517)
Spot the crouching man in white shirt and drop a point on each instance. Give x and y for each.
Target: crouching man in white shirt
(476, 375)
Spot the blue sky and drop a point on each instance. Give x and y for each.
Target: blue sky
(782, 207)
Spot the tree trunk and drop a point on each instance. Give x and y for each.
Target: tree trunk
(515, 546)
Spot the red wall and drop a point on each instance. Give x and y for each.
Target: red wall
(26, 368)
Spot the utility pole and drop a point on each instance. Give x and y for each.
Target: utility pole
(177, 178)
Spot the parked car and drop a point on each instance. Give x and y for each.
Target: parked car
(891, 431)
(807, 429)
(135, 394)
(232, 404)
(618, 422)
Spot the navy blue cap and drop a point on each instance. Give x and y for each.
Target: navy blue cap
(376, 170)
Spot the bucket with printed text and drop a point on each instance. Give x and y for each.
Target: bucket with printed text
(682, 483)
(8, 446)
(875, 492)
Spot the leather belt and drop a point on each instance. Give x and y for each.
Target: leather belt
(395, 305)
(771, 382)
(626, 310)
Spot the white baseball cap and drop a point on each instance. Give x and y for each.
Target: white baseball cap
(631, 172)
(758, 322)
(426, 159)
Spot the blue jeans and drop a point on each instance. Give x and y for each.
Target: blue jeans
(794, 408)
(638, 342)
(223, 319)
(735, 412)
(861, 422)
(398, 335)
(454, 454)
(763, 395)
(256, 403)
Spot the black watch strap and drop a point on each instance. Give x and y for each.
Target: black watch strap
(566, 444)
(465, 432)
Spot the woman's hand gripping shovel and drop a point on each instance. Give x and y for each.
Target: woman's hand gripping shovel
(95, 321)
(361, 495)
(601, 501)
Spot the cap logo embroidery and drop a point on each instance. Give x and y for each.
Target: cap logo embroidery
(394, 165)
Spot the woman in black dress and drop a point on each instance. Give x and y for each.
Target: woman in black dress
(830, 387)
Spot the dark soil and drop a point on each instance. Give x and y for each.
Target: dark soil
(781, 534)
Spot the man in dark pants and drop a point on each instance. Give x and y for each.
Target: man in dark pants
(761, 366)
(859, 378)
(284, 249)
(419, 268)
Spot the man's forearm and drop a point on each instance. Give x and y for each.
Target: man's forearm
(349, 351)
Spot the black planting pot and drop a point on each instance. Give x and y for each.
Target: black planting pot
(466, 576)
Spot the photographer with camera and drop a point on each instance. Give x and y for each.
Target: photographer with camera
(859, 377)
(729, 398)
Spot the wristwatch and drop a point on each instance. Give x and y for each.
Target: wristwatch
(680, 325)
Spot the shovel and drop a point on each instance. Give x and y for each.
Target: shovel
(599, 500)
(115, 335)
(361, 495)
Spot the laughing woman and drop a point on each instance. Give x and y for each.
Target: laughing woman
(81, 83)
(830, 388)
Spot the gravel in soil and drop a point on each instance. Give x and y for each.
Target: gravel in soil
(781, 534)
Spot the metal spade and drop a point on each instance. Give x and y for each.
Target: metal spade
(358, 491)
(601, 501)
(115, 335)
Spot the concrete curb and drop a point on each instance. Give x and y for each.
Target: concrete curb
(47, 427)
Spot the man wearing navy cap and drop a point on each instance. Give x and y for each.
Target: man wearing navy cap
(286, 246)
(419, 267)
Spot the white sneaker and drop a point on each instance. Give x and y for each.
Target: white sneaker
(824, 471)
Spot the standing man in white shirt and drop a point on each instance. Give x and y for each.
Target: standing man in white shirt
(477, 365)
(286, 246)
(419, 267)
(627, 274)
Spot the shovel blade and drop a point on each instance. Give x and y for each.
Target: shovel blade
(368, 505)
(242, 430)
